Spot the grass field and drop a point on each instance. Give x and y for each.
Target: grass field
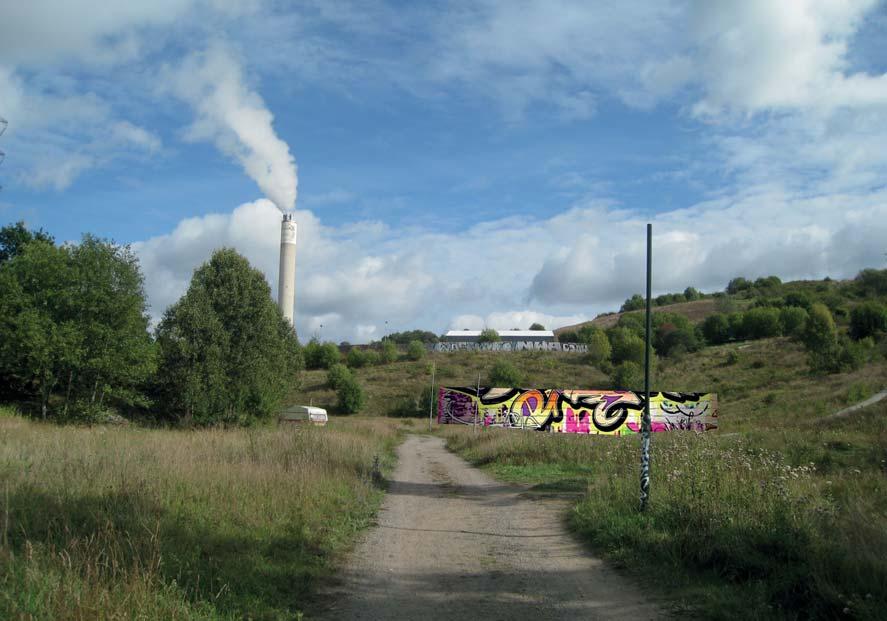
(109, 523)
(775, 515)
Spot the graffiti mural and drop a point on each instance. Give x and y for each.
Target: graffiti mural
(612, 412)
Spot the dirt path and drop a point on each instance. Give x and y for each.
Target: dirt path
(452, 543)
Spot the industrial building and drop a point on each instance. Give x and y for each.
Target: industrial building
(506, 336)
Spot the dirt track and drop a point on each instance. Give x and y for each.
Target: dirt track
(452, 543)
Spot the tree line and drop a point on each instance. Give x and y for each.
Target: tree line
(76, 339)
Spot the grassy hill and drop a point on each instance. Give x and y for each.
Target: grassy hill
(695, 311)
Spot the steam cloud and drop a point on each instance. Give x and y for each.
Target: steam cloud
(236, 119)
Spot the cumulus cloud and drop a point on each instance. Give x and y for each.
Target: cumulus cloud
(236, 120)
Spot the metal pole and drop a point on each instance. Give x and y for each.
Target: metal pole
(645, 423)
(431, 401)
(477, 403)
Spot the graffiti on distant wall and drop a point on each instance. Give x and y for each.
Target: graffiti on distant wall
(612, 412)
(511, 346)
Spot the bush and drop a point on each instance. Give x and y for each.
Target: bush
(626, 346)
(599, 349)
(674, 340)
(819, 331)
(761, 323)
(416, 350)
(716, 329)
(635, 302)
(537, 326)
(321, 356)
(799, 298)
(350, 396)
(415, 407)
(792, 319)
(628, 376)
(636, 323)
(505, 375)
(338, 375)
(868, 319)
(691, 294)
(358, 358)
(568, 337)
(872, 282)
(488, 335)
(840, 356)
(388, 352)
(738, 284)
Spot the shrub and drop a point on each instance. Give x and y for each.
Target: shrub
(488, 335)
(626, 346)
(799, 298)
(737, 330)
(568, 337)
(337, 375)
(792, 319)
(761, 323)
(357, 358)
(599, 349)
(691, 294)
(321, 355)
(416, 350)
(635, 302)
(768, 283)
(872, 282)
(732, 358)
(636, 322)
(738, 284)
(350, 396)
(504, 374)
(537, 326)
(416, 406)
(839, 356)
(868, 319)
(674, 340)
(388, 352)
(628, 376)
(716, 329)
(819, 331)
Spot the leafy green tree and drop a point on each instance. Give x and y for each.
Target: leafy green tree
(868, 319)
(350, 396)
(14, 238)
(761, 323)
(227, 355)
(691, 294)
(769, 282)
(737, 285)
(321, 355)
(799, 298)
(537, 326)
(626, 346)
(504, 374)
(568, 337)
(872, 282)
(388, 352)
(337, 375)
(716, 329)
(635, 322)
(628, 375)
(416, 350)
(819, 332)
(635, 302)
(599, 350)
(792, 319)
(488, 335)
(403, 338)
(357, 358)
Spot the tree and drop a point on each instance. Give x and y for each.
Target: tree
(357, 358)
(626, 346)
(628, 375)
(691, 294)
(227, 355)
(350, 396)
(599, 350)
(792, 319)
(505, 375)
(761, 323)
(635, 302)
(415, 350)
(14, 238)
(716, 329)
(871, 282)
(321, 355)
(537, 326)
(737, 285)
(819, 332)
(868, 319)
(488, 335)
(388, 352)
(337, 375)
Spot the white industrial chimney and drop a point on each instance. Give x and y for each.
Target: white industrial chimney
(286, 285)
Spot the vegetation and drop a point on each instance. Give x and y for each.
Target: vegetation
(504, 374)
(350, 395)
(227, 355)
(416, 350)
(321, 355)
(114, 523)
(404, 338)
(537, 326)
(488, 335)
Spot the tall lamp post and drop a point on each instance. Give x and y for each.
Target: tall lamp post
(645, 422)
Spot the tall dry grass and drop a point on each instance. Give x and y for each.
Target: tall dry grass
(789, 524)
(111, 523)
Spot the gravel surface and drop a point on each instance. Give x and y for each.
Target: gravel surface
(453, 543)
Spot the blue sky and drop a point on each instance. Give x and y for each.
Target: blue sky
(459, 164)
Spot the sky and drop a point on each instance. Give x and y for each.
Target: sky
(457, 164)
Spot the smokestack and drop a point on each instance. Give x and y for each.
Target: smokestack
(286, 285)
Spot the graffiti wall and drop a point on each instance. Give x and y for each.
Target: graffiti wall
(613, 412)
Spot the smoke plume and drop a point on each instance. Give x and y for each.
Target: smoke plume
(237, 121)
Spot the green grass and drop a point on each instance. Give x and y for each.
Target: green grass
(108, 523)
(785, 520)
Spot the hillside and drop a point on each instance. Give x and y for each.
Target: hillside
(695, 311)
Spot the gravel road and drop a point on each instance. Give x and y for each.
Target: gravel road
(452, 543)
